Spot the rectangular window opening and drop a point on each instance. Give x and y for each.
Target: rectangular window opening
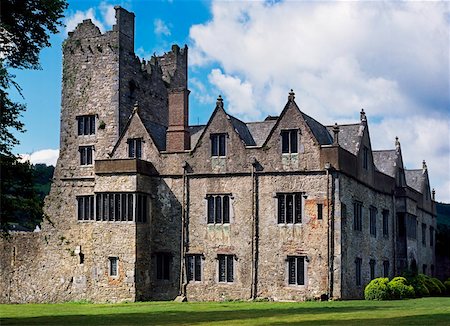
(296, 270)
(86, 125)
(163, 265)
(289, 208)
(194, 268)
(289, 141)
(218, 144)
(218, 209)
(113, 266)
(226, 268)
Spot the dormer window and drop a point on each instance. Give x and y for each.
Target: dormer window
(86, 125)
(289, 141)
(218, 144)
(134, 147)
(365, 157)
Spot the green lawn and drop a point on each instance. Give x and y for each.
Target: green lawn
(426, 311)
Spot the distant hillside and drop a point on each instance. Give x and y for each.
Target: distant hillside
(443, 213)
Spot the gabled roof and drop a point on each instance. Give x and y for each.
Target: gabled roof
(260, 130)
(157, 132)
(319, 130)
(385, 161)
(242, 130)
(350, 136)
(415, 179)
(195, 132)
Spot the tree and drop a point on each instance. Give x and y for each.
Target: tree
(25, 26)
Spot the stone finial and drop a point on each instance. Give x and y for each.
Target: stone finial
(433, 194)
(136, 106)
(424, 166)
(335, 134)
(397, 144)
(291, 96)
(362, 116)
(219, 102)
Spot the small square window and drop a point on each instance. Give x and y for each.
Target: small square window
(85, 207)
(289, 141)
(289, 208)
(296, 270)
(86, 155)
(113, 266)
(86, 125)
(134, 148)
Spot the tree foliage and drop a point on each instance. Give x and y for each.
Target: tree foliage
(25, 26)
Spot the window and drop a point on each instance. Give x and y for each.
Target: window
(385, 223)
(289, 141)
(373, 221)
(113, 266)
(289, 208)
(319, 211)
(86, 125)
(296, 270)
(226, 269)
(85, 155)
(194, 267)
(424, 269)
(163, 265)
(365, 157)
(424, 231)
(122, 207)
(134, 147)
(431, 236)
(372, 268)
(218, 209)
(85, 205)
(357, 216)
(411, 227)
(386, 268)
(218, 144)
(358, 263)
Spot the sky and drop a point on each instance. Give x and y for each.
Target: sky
(390, 58)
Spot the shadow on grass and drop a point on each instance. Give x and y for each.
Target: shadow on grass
(292, 316)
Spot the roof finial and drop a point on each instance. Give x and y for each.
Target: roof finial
(219, 102)
(433, 194)
(397, 144)
(136, 106)
(362, 116)
(424, 165)
(291, 96)
(336, 134)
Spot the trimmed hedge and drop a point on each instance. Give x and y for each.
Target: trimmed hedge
(400, 289)
(378, 289)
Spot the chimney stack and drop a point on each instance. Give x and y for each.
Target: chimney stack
(178, 138)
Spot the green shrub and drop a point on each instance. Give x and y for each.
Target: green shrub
(447, 285)
(431, 285)
(377, 289)
(400, 289)
(440, 285)
(418, 283)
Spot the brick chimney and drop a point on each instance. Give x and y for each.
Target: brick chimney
(178, 138)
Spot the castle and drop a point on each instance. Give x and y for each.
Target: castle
(145, 207)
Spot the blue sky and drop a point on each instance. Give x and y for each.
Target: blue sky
(390, 58)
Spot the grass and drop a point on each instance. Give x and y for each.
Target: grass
(426, 311)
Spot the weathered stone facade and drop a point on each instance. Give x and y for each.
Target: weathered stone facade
(138, 192)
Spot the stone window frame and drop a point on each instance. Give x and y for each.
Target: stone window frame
(385, 217)
(86, 124)
(86, 155)
(424, 234)
(113, 266)
(224, 260)
(219, 144)
(290, 145)
(140, 207)
(297, 219)
(373, 212)
(358, 271)
(212, 220)
(85, 205)
(194, 266)
(292, 261)
(357, 215)
(163, 265)
(319, 211)
(135, 147)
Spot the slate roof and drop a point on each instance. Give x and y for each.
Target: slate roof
(157, 132)
(385, 161)
(414, 179)
(242, 130)
(349, 136)
(260, 130)
(321, 133)
(196, 132)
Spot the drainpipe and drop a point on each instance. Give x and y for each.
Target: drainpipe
(254, 286)
(329, 277)
(183, 283)
(394, 234)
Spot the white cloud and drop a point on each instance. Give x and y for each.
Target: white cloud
(108, 13)
(238, 93)
(199, 91)
(71, 21)
(160, 27)
(47, 156)
(390, 58)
